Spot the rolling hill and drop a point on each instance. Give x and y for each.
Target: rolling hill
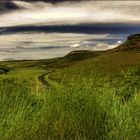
(102, 64)
(83, 95)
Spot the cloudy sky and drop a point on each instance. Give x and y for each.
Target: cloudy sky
(33, 29)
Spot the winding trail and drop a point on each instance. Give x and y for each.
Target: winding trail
(42, 79)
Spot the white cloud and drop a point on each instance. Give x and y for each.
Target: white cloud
(119, 42)
(73, 13)
(106, 46)
(75, 45)
(102, 46)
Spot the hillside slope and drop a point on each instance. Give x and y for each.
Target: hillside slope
(132, 42)
(109, 63)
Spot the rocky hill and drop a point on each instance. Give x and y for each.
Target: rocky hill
(132, 42)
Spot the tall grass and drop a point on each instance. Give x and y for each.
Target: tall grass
(80, 112)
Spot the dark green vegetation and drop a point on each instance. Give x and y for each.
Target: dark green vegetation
(88, 96)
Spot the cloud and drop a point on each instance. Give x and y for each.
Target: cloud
(53, 1)
(43, 13)
(46, 39)
(75, 45)
(120, 29)
(95, 45)
(119, 42)
(102, 46)
(106, 46)
(47, 45)
(6, 6)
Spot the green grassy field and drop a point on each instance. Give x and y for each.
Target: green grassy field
(96, 97)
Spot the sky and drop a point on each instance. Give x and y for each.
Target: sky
(33, 29)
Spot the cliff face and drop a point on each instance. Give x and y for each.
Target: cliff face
(132, 42)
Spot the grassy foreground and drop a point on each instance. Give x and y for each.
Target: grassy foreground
(81, 112)
(94, 99)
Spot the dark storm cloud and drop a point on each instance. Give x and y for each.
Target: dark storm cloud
(86, 29)
(68, 12)
(7, 6)
(52, 1)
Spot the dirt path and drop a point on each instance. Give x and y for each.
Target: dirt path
(42, 79)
